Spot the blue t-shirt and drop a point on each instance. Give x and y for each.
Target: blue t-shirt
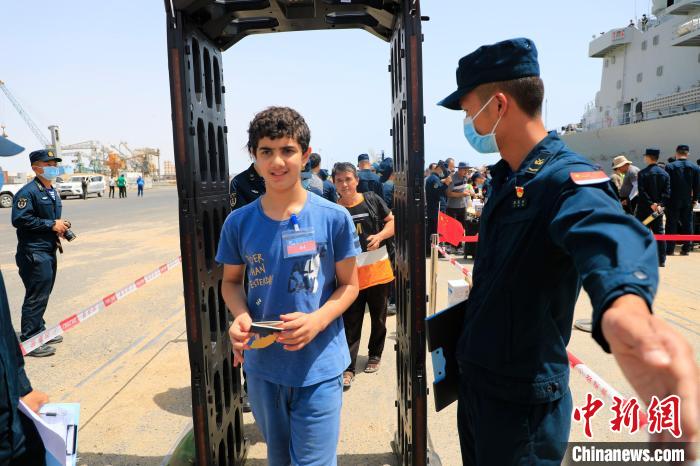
(281, 286)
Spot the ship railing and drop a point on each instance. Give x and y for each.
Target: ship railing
(688, 27)
(628, 118)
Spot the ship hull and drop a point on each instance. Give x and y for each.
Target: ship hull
(600, 146)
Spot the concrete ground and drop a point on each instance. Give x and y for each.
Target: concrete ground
(128, 365)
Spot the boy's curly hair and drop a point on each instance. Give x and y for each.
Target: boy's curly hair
(277, 122)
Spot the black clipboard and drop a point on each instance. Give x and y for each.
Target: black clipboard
(443, 330)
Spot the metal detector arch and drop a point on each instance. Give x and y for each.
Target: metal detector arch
(199, 31)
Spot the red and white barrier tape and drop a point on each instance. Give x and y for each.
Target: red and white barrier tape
(454, 262)
(69, 322)
(475, 238)
(599, 384)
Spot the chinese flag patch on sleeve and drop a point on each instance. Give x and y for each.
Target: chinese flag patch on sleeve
(584, 178)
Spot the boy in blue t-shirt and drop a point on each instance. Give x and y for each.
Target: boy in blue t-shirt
(298, 251)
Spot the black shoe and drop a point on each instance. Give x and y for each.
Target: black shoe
(671, 253)
(662, 265)
(56, 339)
(685, 253)
(43, 351)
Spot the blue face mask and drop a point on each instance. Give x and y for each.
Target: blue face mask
(50, 173)
(485, 144)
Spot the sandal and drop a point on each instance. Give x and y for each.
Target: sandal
(348, 377)
(372, 365)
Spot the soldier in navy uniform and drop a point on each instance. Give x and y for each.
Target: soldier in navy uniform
(552, 224)
(685, 190)
(654, 194)
(19, 441)
(246, 187)
(36, 214)
(435, 188)
(368, 181)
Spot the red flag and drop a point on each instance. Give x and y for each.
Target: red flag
(449, 229)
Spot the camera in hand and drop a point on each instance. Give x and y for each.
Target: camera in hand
(69, 235)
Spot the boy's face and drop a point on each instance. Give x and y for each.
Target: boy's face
(280, 161)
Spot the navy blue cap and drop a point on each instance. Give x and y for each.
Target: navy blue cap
(362, 157)
(652, 152)
(684, 147)
(463, 165)
(502, 61)
(8, 148)
(43, 155)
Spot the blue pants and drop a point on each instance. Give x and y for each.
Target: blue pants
(496, 431)
(140, 191)
(37, 269)
(679, 221)
(300, 425)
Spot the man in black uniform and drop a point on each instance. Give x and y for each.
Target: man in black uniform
(19, 442)
(368, 181)
(36, 213)
(435, 187)
(246, 187)
(685, 189)
(654, 193)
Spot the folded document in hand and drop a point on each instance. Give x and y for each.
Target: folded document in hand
(57, 424)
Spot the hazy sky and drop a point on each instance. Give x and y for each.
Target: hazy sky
(99, 71)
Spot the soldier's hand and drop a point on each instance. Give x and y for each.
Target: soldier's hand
(60, 226)
(656, 360)
(35, 400)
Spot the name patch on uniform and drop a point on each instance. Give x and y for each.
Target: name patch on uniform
(520, 203)
(21, 202)
(585, 178)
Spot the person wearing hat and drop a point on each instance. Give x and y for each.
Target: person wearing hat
(629, 189)
(19, 441)
(654, 194)
(435, 186)
(549, 207)
(459, 194)
(36, 214)
(369, 181)
(685, 190)
(616, 178)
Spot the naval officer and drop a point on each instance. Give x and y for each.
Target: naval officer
(552, 224)
(36, 214)
(654, 194)
(685, 190)
(246, 187)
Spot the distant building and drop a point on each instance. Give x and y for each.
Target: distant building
(168, 169)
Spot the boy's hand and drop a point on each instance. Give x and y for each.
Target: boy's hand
(373, 241)
(35, 400)
(299, 329)
(239, 333)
